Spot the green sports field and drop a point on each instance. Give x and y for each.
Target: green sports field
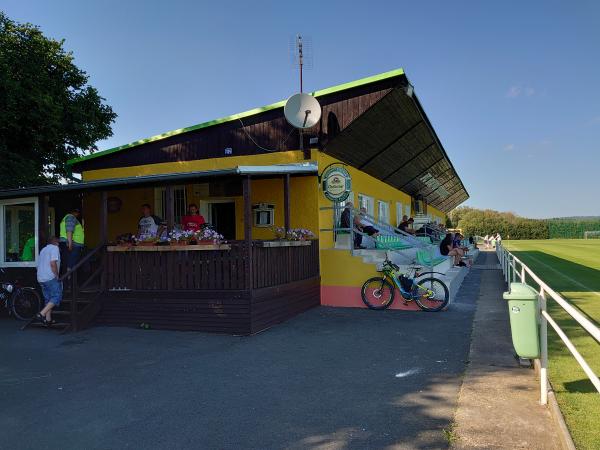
(572, 268)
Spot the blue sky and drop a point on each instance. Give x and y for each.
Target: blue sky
(512, 88)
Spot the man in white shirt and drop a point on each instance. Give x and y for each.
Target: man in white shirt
(149, 225)
(47, 275)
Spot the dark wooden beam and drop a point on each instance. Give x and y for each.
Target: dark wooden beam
(286, 201)
(43, 221)
(248, 265)
(103, 216)
(170, 206)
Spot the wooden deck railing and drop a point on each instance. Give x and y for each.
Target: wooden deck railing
(210, 270)
(281, 265)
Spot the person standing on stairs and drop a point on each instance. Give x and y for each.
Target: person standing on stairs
(47, 275)
(72, 238)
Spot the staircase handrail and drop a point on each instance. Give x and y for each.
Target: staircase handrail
(71, 275)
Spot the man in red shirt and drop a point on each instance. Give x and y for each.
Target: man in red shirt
(192, 221)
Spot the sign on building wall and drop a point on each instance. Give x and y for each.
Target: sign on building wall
(337, 183)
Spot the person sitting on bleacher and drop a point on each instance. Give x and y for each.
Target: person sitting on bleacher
(447, 249)
(406, 225)
(365, 226)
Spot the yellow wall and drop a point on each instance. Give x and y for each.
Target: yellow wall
(305, 193)
(228, 162)
(362, 183)
(303, 208)
(123, 221)
(436, 213)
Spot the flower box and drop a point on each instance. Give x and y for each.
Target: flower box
(283, 243)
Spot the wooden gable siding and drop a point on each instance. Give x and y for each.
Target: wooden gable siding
(268, 129)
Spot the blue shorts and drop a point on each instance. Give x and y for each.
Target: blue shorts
(52, 291)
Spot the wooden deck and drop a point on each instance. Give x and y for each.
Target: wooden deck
(210, 290)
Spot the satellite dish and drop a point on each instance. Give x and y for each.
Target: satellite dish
(302, 111)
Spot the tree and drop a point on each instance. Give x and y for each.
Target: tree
(481, 222)
(48, 112)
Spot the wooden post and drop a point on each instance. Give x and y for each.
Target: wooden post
(43, 221)
(103, 217)
(286, 201)
(247, 192)
(170, 207)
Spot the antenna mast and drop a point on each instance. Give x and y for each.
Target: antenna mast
(300, 57)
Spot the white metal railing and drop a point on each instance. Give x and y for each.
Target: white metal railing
(509, 263)
(337, 210)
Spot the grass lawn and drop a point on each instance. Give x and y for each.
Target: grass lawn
(571, 268)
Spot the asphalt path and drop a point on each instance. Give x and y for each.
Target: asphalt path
(331, 378)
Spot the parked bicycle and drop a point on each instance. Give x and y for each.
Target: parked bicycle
(20, 301)
(429, 293)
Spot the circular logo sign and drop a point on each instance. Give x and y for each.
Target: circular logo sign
(337, 184)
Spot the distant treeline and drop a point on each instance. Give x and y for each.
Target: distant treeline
(480, 222)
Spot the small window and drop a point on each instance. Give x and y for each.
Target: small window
(180, 202)
(264, 215)
(383, 211)
(18, 232)
(364, 201)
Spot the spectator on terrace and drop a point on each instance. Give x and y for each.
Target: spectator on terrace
(345, 223)
(193, 221)
(406, 225)
(447, 250)
(149, 225)
(365, 225)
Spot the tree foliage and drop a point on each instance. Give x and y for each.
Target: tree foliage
(574, 228)
(481, 222)
(48, 111)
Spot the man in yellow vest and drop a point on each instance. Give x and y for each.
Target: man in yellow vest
(72, 238)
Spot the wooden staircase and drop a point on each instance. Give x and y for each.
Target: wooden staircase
(81, 299)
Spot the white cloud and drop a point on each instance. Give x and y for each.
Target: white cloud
(509, 147)
(514, 92)
(520, 90)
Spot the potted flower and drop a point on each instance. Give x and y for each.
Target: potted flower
(180, 237)
(208, 236)
(299, 234)
(280, 233)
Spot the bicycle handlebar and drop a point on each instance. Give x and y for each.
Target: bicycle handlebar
(390, 264)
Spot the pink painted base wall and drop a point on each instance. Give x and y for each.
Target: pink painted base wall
(349, 297)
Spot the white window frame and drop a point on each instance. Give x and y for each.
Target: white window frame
(383, 212)
(267, 208)
(399, 213)
(407, 209)
(160, 202)
(369, 204)
(19, 201)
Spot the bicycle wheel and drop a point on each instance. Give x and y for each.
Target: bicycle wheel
(26, 303)
(432, 294)
(377, 293)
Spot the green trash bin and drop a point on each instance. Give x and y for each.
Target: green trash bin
(523, 312)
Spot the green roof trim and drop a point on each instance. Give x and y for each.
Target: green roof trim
(252, 112)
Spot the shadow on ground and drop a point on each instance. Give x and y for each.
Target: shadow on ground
(330, 378)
